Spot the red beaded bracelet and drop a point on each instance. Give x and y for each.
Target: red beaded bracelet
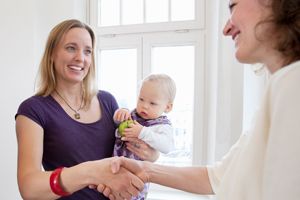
(55, 183)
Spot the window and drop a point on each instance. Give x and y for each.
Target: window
(125, 12)
(139, 37)
(111, 17)
(178, 62)
(118, 74)
(124, 60)
(132, 42)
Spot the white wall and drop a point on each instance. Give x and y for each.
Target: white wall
(23, 31)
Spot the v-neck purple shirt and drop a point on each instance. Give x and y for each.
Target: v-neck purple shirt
(68, 142)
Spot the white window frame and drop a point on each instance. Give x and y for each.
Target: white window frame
(198, 23)
(143, 44)
(127, 37)
(195, 38)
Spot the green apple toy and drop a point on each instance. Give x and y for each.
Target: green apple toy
(123, 125)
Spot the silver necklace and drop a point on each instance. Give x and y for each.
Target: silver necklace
(76, 112)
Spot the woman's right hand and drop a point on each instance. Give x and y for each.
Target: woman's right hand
(119, 163)
(141, 149)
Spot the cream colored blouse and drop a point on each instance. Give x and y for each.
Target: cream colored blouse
(264, 164)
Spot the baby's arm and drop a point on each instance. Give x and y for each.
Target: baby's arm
(121, 114)
(159, 137)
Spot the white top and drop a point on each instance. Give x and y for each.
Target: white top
(265, 162)
(159, 137)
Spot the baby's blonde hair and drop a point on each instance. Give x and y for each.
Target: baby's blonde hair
(166, 82)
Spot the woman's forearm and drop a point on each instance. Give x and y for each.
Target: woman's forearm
(189, 179)
(36, 185)
(33, 186)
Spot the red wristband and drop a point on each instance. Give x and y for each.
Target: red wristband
(55, 183)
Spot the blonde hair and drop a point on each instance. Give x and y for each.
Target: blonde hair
(166, 82)
(46, 82)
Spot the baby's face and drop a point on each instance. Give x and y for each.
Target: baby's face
(152, 102)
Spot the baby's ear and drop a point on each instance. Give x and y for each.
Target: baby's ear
(169, 107)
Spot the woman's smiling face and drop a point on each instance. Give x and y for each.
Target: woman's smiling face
(242, 27)
(73, 55)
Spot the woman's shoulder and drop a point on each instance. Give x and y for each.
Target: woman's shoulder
(289, 73)
(104, 95)
(284, 84)
(33, 101)
(33, 107)
(107, 100)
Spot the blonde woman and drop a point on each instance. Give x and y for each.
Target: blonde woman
(67, 127)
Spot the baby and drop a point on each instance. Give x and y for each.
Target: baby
(156, 97)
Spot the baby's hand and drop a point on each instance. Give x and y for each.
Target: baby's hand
(134, 129)
(122, 114)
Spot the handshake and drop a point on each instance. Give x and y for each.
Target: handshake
(122, 179)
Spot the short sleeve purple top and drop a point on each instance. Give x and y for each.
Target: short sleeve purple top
(68, 142)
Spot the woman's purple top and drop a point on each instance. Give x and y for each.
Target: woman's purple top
(68, 142)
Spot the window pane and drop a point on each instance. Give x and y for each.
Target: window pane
(132, 12)
(178, 62)
(182, 10)
(114, 77)
(157, 10)
(109, 13)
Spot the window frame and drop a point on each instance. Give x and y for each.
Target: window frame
(126, 36)
(197, 24)
(222, 116)
(195, 38)
(143, 44)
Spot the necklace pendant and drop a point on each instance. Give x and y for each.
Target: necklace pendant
(77, 116)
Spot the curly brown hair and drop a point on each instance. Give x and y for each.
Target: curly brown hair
(285, 19)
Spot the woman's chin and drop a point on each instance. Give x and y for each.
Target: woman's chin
(243, 58)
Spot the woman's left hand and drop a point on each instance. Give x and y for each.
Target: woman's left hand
(141, 149)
